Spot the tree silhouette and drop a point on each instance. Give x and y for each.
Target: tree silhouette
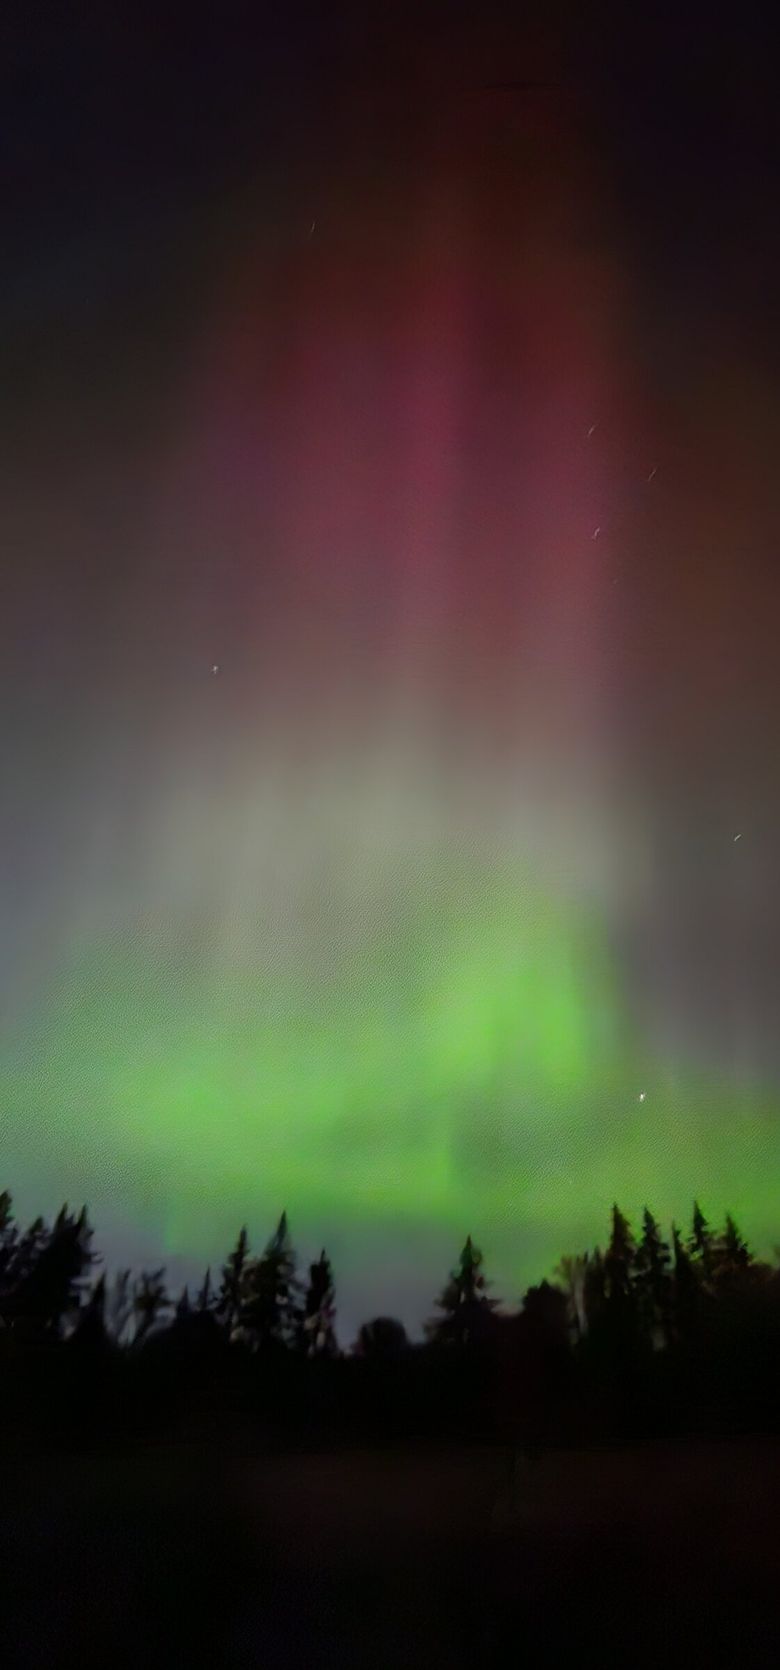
(544, 1313)
(119, 1306)
(685, 1303)
(47, 1270)
(594, 1290)
(466, 1306)
(570, 1274)
(150, 1303)
(8, 1233)
(270, 1307)
(619, 1261)
(318, 1337)
(701, 1245)
(228, 1304)
(652, 1282)
(90, 1331)
(384, 1338)
(732, 1256)
(205, 1298)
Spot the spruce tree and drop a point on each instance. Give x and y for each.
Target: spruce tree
(8, 1232)
(318, 1338)
(270, 1307)
(119, 1306)
(90, 1332)
(150, 1303)
(594, 1290)
(619, 1262)
(732, 1257)
(701, 1245)
(228, 1304)
(652, 1282)
(570, 1274)
(685, 1298)
(48, 1272)
(465, 1304)
(205, 1298)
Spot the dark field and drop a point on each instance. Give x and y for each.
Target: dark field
(199, 1552)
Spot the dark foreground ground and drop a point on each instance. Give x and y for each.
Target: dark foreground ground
(200, 1553)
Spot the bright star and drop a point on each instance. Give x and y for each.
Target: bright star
(642, 1095)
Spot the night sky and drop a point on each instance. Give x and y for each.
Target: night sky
(391, 602)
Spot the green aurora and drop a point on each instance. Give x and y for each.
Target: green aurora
(456, 1056)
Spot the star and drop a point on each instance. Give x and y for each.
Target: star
(215, 668)
(642, 1095)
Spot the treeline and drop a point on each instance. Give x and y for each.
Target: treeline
(648, 1335)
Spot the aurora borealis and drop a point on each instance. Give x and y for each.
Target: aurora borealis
(393, 918)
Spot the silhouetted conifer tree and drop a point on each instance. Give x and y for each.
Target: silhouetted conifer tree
(468, 1312)
(732, 1257)
(701, 1245)
(594, 1290)
(8, 1233)
(685, 1299)
(48, 1272)
(318, 1338)
(570, 1274)
(205, 1299)
(270, 1302)
(544, 1312)
(652, 1282)
(119, 1306)
(619, 1263)
(90, 1332)
(228, 1304)
(150, 1303)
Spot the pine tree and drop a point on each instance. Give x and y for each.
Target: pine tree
(318, 1338)
(8, 1232)
(270, 1307)
(48, 1271)
(652, 1282)
(701, 1245)
(685, 1299)
(570, 1273)
(467, 1309)
(90, 1332)
(619, 1262)
(26, 1251)
(205, 1299)
(594, 1290)
(229, 1297)
(150, 1303)
(732, 1257)
(8, 1240)
(119, 1306)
